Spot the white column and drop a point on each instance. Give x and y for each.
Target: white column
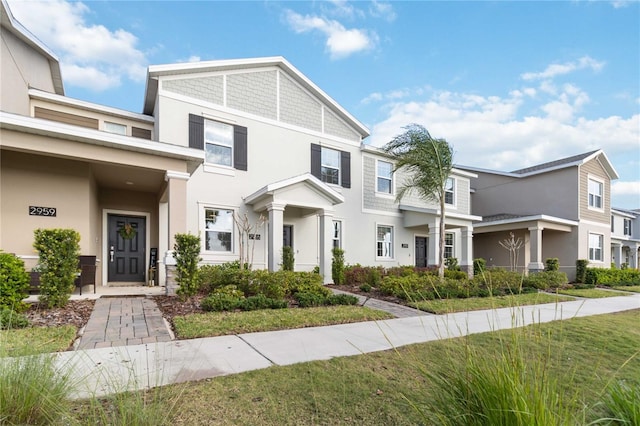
(176, 197)
(535, 241)
(434, 243)
(466, 251)
(276, 218)
(326, 245)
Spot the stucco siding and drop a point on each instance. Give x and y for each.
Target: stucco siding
(255, 93)
(297, 107)
(593, 169)
(208, 89)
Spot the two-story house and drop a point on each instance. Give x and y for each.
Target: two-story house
(625, 237)
(560, 209)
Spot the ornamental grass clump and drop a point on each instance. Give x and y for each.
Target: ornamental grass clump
(58, 250)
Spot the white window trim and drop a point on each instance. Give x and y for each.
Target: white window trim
(602, 196)
(203, 228)
(382, 194)
(393, 240)
(455, 197)
(339, 168)
(340, 238)
(626, 230)
(215, 166)
(453, 243)
(601, 260)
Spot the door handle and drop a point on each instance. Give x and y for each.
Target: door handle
(111, 253)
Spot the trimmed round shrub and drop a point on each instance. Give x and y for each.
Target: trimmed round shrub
(227, 298)
(307, 299)
(545, 280)
(341, 299)
(261, 301)
(12, 319)
(14, 283)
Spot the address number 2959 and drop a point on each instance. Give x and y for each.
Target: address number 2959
(42, 211)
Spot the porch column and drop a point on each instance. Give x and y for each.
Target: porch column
(535, 242)
(326, 245)
(633, 255)
(466, 251)
(616, 254)
(434, 243)
(176, 194)
(276, 219)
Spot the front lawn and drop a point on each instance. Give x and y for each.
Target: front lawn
(36, 340)
(591, 293)
(446, 306)
(633, 288)
(222, 323)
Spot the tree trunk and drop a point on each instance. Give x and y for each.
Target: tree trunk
(441, 245)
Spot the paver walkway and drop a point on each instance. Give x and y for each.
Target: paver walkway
(121, 321)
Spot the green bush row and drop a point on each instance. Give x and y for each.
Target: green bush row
(14, 283)
(612, 277)
(307, 300)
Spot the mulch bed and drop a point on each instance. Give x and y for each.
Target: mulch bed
(76, 312)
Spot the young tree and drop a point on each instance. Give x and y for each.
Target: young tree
(427, 163)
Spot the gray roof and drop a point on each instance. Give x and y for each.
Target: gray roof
(501, 216)
(555, 163)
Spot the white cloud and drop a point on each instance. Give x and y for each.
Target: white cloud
(626, 188)
(340, 41)
(91, 56)
(379, 9)
(554, 70)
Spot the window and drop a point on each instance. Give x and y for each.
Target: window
(330, 166)
(595, 194)
(218, 143)
(595, 247)
(337, 234)
(224, 144)
(218, 225)
(119, 129)
(448, 245)
(612, 222)
(449, 191)
(384, 241)
(627, 227)
(384, 177)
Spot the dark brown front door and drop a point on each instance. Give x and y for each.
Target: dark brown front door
(126, 249)
(421, 252)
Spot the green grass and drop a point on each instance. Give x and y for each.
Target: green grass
(223, 323)
(478, 303)
(580, 356)
(591, 293)
(633, 288)
(35, 340)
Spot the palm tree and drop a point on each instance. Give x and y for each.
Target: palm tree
(427, 163)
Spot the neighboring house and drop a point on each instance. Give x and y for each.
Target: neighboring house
(215, 140)
(560, 209)
(625, 238)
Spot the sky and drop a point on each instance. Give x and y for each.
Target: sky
(507, 84)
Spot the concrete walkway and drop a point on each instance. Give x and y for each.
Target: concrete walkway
(107, 370)
(398, 311)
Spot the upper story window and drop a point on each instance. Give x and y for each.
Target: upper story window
(330, 166)
(218, 143)
(627, 227)
(218, 225)
(116, 128)
(337, 234)
(384, 242)
(448, 245)
(384, 177)
(595, 247)
(224, 144)
(596, 191)
(612, 223)
(449, 191)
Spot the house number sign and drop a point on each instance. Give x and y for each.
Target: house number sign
(42, 211)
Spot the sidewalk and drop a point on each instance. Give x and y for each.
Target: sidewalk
(108, 370)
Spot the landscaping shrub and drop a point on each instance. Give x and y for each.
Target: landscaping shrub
(307, 282)
(405, 287)
(337, 266)
(499, 282)
(406, 271)
(58, 250)
(225, 298)
(479, 266)
(452, 264)
(355, 275)
(366, 287)
(288, 259)
(581, 270)
(12, 319)
(307, 299)
(612, 277)
(187, 255)
(545, 280)
(341, 299)
(552, 264)
(14, 283)
(455, 274)
(261, 301)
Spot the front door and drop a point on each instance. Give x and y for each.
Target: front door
(421, 252)
(126, 249)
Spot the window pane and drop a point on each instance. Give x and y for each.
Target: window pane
(384, 169)
(120, 129)
(330, 158)
(218, 229)
(384, 241)
(218, 133)
(217, 154)
(384, 185)
(330, 175)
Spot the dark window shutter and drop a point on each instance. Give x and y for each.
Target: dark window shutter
(345, 168)
(196, 131)
(240, 147)
(316, 157)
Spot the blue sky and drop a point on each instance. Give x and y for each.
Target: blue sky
(508, 84)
